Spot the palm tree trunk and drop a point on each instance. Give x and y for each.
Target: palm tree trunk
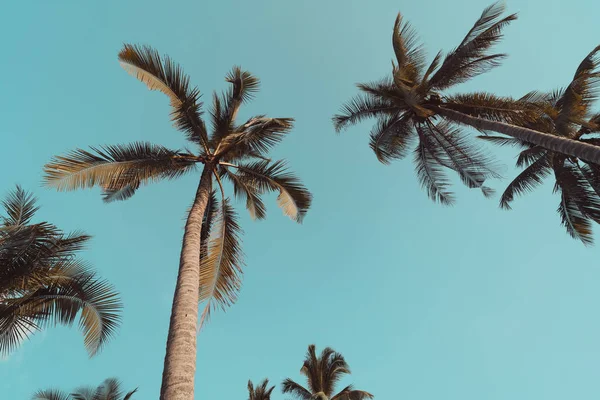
(569, 147)
(180, 360)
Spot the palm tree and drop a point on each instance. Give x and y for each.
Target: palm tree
(261, 392)
(42, 281)
(322, 374)
(411, 105)
(110, 389)
(211, 258)
(565, 113)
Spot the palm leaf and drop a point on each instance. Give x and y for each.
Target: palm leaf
(409, 53)
(576, 224)
(360, 108)
(220, 271)
(390, 138)
(246, 190)
(349, 393)
(116, 167)
(19, 206)
(146, 64)
(295, 389)
(431, 177)
(526, 181)
(294, 199)
(50, 394)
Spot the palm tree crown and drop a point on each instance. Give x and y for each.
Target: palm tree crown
(110, 389)
(566, 113)
(412, 104)
(43, 282)
(260, 392)
(322, 374)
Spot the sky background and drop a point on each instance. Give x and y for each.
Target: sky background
(424, 301)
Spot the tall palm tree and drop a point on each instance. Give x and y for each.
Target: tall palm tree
(236, 151)
(110, 389)
(411, 104)
(322, 374)
(43, 282)
(565, 113)
(260, 392)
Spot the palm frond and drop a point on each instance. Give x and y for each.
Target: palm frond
(576, 224)
(246, 190)
(390, 138)
(581, 92)
(50, 394)
(294, 199)
(492, 107)
(526, 181)
(360, 108)
(504, 141)
(349, 393)
(409, 53)
(295, 389)
(19, 206)
(220, 271)
(470, 58)
(430, 173)
(146, 64)
(116, 167)
(531, 155)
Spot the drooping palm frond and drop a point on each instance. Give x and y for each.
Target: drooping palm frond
(220, 271)
(526, 181)
(576, 224)
(294, 199)
(529, 156)
(146, 64)
(295, 389)
(117, 168)
(428, 162)
(247, 190)
(390, 138)
(471, 57)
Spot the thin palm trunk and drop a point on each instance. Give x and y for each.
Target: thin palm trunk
(180, 360)
(573, 148)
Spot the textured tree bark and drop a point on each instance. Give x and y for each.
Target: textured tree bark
(180, 360)
(574, 148)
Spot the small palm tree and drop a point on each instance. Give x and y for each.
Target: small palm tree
(565, 113)
(322, 374)
(43, 282)
(211, 254)
(110, 389)
(261, 392)
(411, 104)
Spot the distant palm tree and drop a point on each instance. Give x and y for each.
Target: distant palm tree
(261, 392)
(411, 104)
(565, 113)
(43, 282)
(322, 374)
(233, 151)
(109, 390)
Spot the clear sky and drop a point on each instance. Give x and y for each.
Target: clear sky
(425, 301)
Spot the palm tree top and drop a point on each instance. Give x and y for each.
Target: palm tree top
(409, 105)
(43, 282)
(322, 374)
(110, 389)
(261, 392)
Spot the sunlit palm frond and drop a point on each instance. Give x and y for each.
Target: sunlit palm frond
(470, 58)
(166, 76)
(362, 107)
(527, 180)
(391, 138)
(116, 167)
(491, 107)
(575, 102)
(221, 270)
(294, 199)
(409, 53)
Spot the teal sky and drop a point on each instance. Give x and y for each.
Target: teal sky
(424, 301)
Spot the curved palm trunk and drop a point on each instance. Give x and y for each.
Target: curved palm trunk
(180, 360)
(573, 148)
